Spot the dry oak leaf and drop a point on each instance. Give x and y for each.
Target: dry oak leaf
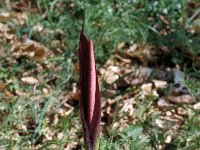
(6, 93)
(182, 99)
(160, 84)
(18, 18)
(30, 48)
(110, 74)
(29, 80)
(20, 93)
(163, 103)
(2, 85)
(147, 88)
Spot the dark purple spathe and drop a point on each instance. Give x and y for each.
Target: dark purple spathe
(90, 105)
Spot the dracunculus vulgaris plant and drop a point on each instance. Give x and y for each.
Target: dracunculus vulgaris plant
(90, 104)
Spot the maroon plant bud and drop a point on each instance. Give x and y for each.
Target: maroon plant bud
(90, 105)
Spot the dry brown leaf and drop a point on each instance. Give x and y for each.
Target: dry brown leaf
(178, 117)
(168, 113)
(121, 45)
(7, 95)
(20, 93)
(169, 118)
(160, 84)
(164, 20)
(9, 36)
(109, 75)
(3, 28)
(125, 60)
(147, 88)
(30, 80)
(2, 85)
(18, 18)
(4, 16)
(132, 48)
(163, 103)
(181, 111)
(115, 69)
(23, 5)
(183, 99)
(30, 48)
(137, 81)
(128, 107)
(45, 91)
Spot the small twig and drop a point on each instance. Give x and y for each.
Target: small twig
(197, 12)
